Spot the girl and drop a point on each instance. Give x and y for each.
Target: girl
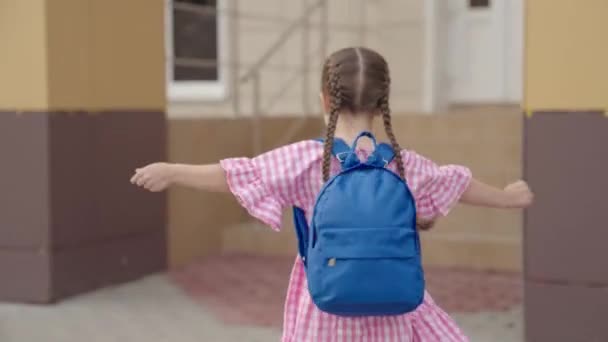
(355, 89)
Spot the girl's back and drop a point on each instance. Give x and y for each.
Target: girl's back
(292, 176)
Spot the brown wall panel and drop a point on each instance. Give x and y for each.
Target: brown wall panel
(559, 313)
(125, 141)
(73, 179)
(24, 199)
(566, 54)
(92, 160)
(104, 58)
(566, 229)
(67, 209)
(25, 275)
(23, 69)
(90, 266)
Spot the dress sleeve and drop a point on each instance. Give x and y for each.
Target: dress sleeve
(436, 188)
(270, 182)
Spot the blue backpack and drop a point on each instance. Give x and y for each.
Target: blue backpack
(362, 251)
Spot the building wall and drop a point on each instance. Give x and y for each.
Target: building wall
(485, 239)
(394, 28)
(565, 139)
(566, 55)
(197, 219)
(82, 64)
(488, 140)
(91, 42)
(23, 46)
(82, 104)
(399, 35)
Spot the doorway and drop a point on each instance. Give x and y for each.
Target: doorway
(478, 51)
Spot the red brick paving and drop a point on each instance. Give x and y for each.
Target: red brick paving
(250, 290)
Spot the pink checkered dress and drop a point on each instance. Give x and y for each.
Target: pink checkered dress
(291, 175)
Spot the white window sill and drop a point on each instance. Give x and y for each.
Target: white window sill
(195, 91)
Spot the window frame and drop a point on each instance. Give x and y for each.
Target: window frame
(197, 91)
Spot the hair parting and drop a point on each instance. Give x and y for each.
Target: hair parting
(357, 80)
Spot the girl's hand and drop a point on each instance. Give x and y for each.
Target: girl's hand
(154, 177)
(519, 194)
(423, 224)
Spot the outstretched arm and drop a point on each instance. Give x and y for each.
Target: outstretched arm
(515, 196)
(159, 176)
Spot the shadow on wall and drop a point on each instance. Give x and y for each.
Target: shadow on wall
(489, 143)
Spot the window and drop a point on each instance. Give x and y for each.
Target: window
(195, 50)
(479, 3)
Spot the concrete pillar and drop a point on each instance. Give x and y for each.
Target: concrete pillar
(566, 136)
(82, 103)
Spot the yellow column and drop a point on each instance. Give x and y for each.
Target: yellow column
(566, 136)
(566, 55)
(82, 104)
(23, 63)
(106, 54)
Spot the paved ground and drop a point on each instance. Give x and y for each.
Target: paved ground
(493, 326)
(164, 308)
(150, 310)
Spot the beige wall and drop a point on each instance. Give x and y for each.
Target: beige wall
(393, 27)
(196, 219)
(399, 34)
(23, 70)
(199, 223)
(573, 44)
(489, 142)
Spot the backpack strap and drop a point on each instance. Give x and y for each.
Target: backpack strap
(383, 153)
(340, 149)
(301, 225)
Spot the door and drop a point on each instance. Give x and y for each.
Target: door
(484, 51)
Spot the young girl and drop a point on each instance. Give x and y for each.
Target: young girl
(355, 89)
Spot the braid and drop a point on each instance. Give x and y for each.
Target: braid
(388, 127)
(335, 96)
